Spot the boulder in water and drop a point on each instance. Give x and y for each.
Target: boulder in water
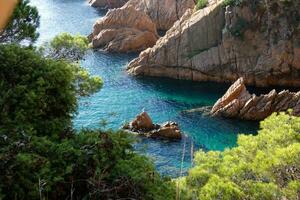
(143, 125)
(142, 122)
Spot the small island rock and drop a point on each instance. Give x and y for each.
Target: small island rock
(142, 122)
(143, 125)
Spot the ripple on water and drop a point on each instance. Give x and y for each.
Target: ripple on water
(122, 96)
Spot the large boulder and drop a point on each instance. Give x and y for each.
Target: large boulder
(143, 125)
(257, 41)
(163, 12)
(168, 130)
(142, 122)
(124, 30)
(107, 4)
(239, 103)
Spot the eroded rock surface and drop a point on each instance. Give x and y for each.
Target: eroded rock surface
(143, 125)
(163, 12)
(124, 30)
(257, 41)
(239, 103)
(107, 4)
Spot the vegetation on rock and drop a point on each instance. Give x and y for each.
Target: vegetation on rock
(201, 4)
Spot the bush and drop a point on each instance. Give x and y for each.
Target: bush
(42, 157)
(67, 46)
(238, 29)
(39, 95)
(266, 166)
(202, 4)
(232, 2)
(89, 164)
(22, 25)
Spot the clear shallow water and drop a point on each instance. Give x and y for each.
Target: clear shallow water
(123, 97)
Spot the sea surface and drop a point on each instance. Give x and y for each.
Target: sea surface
(123, 96)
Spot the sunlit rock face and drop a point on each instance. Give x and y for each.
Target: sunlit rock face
(239, 103)
(164, 13)
(124, 30)
(258, 42)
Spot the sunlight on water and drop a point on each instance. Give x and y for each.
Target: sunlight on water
(123, 96)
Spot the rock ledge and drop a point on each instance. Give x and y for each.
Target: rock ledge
(239, 103)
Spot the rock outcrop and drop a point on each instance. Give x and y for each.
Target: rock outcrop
(143, 125)
(107, 4)
(163, 12)
(124, 30)
(142, 122)
(257, 41)
(239, 103)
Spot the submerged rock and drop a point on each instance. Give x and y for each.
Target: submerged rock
(124, 30)
(239, 103)
(218, 44)
(143, 125)
(107, 4)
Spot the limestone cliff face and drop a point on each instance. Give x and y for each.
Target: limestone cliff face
(124, 30)
(257, 41)
(163, 12)
(239, 103)
(106, 4)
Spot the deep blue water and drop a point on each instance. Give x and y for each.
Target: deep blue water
(122, 96)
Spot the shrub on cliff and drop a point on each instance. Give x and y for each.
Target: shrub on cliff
(266, 166)
(67, 46)
(201, 4)
(42, 157)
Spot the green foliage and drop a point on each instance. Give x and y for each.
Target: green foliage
(36, 92)
(231, 2)
(89, 164)
(66, 46)
(42, 157)
(238, 29)
(23, 24)
(266, 166)
(201, 4)
(70, 49)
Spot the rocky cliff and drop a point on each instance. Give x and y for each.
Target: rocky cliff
(258, 40)
(163, 13)
(124, 30)
(239, 103)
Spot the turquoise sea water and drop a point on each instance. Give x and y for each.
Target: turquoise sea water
(123, 97)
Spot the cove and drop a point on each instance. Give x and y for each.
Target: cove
(123, 96)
